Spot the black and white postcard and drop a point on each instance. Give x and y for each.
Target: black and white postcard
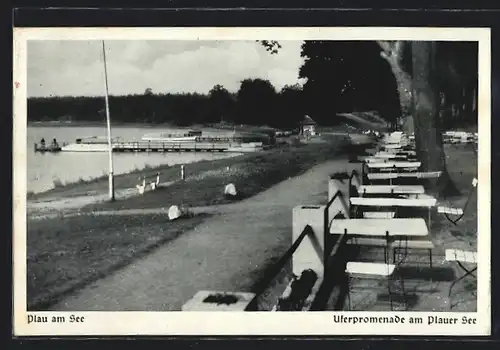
(313, 181)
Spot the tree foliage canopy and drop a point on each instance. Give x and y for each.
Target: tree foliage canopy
(347, 76)
(340, 76)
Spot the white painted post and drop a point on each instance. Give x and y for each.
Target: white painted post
(183, 174)
(108, 124)
(309, 254)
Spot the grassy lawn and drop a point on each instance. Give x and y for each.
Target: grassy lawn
(64, 255)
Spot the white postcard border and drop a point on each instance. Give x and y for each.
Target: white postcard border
(248, 323)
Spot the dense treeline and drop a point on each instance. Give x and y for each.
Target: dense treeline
(256, 103)
(339, 77)
(178, 109)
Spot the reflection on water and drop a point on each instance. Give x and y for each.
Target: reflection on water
(44, 170)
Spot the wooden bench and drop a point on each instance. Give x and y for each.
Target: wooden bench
(387, 155)
(392, 146)
(393, 164)
(368, 270)
(395, 245)
(461, 256)
(392, 169)
(386, 158)
(379, 214)
(421, 196)
(448, 210)
(396, 152)
(391, 189)
(362, 269)
(398, 244)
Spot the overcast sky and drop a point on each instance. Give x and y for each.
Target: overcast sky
(62, 68)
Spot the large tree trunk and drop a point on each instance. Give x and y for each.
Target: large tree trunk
(428, 137)
(393, 54)
(419, 98)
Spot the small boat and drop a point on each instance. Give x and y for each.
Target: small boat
(51, 148)
(88, 144)
(190, 136)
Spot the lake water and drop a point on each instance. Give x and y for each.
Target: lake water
(45, 169)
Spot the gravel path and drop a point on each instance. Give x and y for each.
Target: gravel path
(226, 252)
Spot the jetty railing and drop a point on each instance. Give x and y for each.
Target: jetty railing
(200, 144)
(165, 146)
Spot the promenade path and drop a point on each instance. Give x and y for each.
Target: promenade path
(226, 252)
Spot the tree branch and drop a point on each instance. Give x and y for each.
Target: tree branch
(398, 49)
(385, 46)
(392, 51)
(271, 46)
(386, 52)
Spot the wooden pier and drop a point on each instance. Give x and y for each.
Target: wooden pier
(156, 146)
(152, 146)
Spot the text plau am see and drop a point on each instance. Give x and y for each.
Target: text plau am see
(55, 319)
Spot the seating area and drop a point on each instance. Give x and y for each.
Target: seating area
(379, 220)
(372, 246)
(373, 239)
(454, 137)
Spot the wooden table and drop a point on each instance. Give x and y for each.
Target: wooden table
(384, 166)
(388, 155)
(392, 176)
(384, 158)
(387, 228)
(426, 202)
(380, 227)
(394, 142)
(396, 152)
(392, 146)
(390, 189)
(393, 164)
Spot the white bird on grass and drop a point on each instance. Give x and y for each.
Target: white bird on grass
(155, 184)
(141, 187)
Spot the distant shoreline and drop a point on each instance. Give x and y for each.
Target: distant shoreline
(217, 126)
(99, 124)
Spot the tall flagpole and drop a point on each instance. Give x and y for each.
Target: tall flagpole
(108, 121)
